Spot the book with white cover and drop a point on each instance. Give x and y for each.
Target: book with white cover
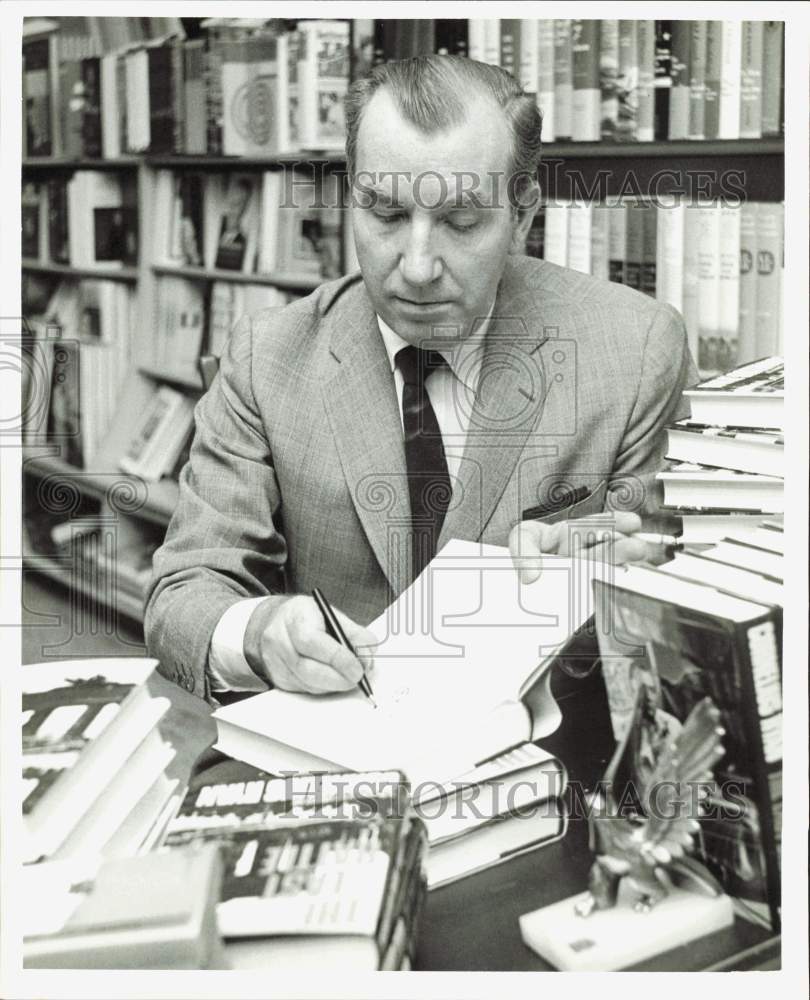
(458, 650)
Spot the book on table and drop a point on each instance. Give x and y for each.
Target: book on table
(750, 396)
(672, 640)
(458, 651)
(757, 451)
(698, 487)
(91, 749)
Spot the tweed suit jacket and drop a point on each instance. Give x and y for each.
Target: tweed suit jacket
(297, 475)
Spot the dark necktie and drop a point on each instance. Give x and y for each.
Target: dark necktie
(428, 479)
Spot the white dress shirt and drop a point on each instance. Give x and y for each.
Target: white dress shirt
(451, 391)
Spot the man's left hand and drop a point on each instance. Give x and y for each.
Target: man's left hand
(607, 536)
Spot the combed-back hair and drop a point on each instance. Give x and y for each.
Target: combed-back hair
(430, 92)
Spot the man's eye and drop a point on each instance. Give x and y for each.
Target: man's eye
(461, 223)
(389, 216)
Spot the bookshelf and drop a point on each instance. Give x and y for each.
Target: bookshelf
(673, 165)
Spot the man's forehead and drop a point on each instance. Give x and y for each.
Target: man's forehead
(478, 145)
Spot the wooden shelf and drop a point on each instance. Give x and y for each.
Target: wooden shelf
(158, 506)
(58, 163)
(278, 279)
(187, 379)
(55, 569)
(128, 274)
(202, 161)
(667, 147)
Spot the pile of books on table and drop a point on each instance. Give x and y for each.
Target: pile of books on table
(728, 458)
(709, 623)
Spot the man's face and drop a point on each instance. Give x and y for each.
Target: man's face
(432, 221)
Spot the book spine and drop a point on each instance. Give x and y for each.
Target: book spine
(663, 78)
(529, 66)
(714, 74)
(58, 230)
(213, 92)
(492, 40)
(121, 98)
(645, 41)
(697, 79)
(586, 95)
(747, 329)
(730, 72)
(608, 78)
(649, 236)
(545, 77)
(627, 129)
(600, 261)
(761, 705)
(691, 242)
(617, 241)
(579, 237)
(708, 287)
(670, 253)
(178, 96)
(681, 69)
(729, 287)
(563, 79)
(194, 96)
(556, 234)
(773, 51)
(510, 46)
(634, 245)
(38, 112)
(161, 117)
(751, 81)
(535, 240)
(476, 39)
(110, 119)
(770, 221)
(91, 114)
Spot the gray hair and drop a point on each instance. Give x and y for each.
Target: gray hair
(426, 90)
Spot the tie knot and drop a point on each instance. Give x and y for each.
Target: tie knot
(416, 364)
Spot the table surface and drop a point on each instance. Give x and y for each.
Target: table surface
(472, 924)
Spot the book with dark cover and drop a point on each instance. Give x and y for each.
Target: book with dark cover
(161, 104)
(535, 238)
(662, 83)
(510, 46)
(71, 107)
(64, 411)
(91, 108)
(30, 218)
(665, 645)
(452, 36)
(38, 113)
(186, 236)
(627, 83)
(58, 232)
(680, 70)
(115, 234)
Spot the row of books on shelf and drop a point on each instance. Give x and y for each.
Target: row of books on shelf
(287, 221)
(254, 87)
(247, 86)
(720, 265)
(639, 81)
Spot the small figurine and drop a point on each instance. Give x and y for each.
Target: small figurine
(642, 847)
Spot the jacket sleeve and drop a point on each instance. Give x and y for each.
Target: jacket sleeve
(667, 369)
(221, 545)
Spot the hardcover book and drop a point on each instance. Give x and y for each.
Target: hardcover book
(667, 643)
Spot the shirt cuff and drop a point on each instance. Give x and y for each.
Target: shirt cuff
(227, 667)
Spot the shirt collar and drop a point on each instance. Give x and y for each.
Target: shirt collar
(464, 360)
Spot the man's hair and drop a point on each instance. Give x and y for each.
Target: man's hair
(429, 91)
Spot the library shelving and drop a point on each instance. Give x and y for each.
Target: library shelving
(569, 169)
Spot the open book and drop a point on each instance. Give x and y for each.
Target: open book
(458, 651)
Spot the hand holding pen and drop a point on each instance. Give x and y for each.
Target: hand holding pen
(333, 627)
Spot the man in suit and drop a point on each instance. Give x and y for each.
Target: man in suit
(439, 393)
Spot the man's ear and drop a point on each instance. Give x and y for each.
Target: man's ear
(522, 217)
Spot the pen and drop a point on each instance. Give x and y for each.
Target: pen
(334, 629)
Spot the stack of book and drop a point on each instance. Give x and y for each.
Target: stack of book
(729, 456)
(708, 623)
(460, 730)
(721, 265)
(94, 761)
(316, 867)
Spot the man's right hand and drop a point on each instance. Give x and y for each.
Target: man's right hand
(286, 641)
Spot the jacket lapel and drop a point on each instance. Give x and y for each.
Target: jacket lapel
(510, 399)
(361, 405)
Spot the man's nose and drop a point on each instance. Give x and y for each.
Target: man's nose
(419, 264)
